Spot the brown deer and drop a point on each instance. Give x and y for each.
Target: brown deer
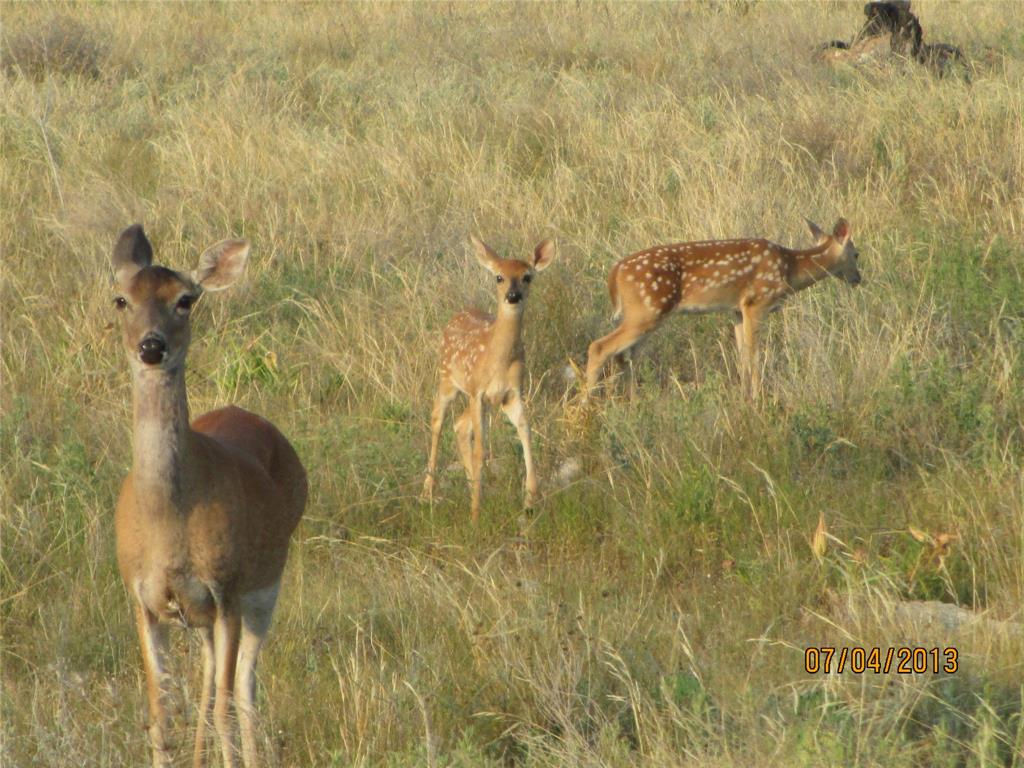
(205, 515)
(747, 277)
(482, 356)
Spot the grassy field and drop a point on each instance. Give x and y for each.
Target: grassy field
(655, 607)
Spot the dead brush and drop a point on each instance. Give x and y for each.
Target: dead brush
(60, 45)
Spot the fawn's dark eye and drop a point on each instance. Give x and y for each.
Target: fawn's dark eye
(120, 302)
(499, 278)
(185, 303)
(527, 278)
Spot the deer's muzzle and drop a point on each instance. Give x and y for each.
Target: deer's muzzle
(152, 350)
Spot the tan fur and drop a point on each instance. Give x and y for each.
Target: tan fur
(748, 277)
(482, 356)
(204, 517)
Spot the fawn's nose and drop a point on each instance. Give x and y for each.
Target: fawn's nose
(513, 296)
(152, 350)
(855, 279)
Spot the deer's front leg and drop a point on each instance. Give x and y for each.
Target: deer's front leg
(445, 393)
(153, 640)
(516, 413)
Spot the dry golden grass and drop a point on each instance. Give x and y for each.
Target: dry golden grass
(655, 607)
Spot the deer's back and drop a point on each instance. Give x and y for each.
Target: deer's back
(252, 443)
(705, 276)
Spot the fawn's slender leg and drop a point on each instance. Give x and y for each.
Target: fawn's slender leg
(626, 363)
(226, 632)
(479, 438)
(257, 610)
(752, 315)
(737, 329)
(513, 408)
(153, 639)
(464, 440)
(445, 393)
(205, 698)
(741, 361)
(618, 341)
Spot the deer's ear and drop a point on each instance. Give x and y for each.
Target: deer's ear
(132, 252)
(543, 255)
(221, 264)
(816, 231)
(488, 259)
(841, 231)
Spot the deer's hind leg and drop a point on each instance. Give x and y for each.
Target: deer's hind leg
(257, 611)
(205, 698)
(226, 634)
(741, 348)
(464, 440)
(471, 433)
(616, 343)
(479, 417)
(445, 394)
(752, 317)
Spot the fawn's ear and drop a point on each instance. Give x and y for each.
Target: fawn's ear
(816, 231)
(543, 255)
(488, 259)
(221, 264)
(841, 231)
(132, 252)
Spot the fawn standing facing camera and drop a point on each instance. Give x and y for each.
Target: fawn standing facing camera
(205, 515)
(482, 356)
(747, 277)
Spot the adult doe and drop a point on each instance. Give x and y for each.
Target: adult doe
(747, 277)
(482, 356)
(205, 515)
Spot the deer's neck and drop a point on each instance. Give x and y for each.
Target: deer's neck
(506, 335)
(161, 436)
(810, 266)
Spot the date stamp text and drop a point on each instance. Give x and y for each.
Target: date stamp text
(881, 661)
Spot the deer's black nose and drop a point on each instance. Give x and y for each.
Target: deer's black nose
(513, 297)
(152, 350)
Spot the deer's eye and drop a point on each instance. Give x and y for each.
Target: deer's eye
(120, 303)
(527, 278)
(185, 303)
(499, 278)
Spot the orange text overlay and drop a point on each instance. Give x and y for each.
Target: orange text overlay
(901, 661)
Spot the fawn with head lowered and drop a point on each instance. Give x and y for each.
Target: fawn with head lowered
(204, 517)
(482, 356)
(749, 278)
